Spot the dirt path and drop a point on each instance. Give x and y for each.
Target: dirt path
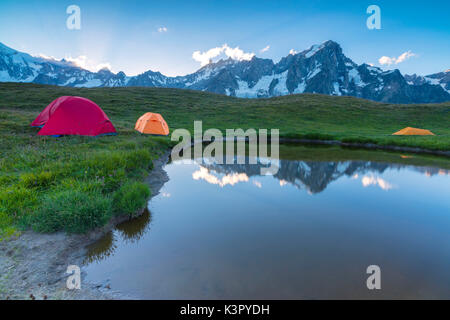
(33, 266)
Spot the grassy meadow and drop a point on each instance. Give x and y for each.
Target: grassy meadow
(77, 183)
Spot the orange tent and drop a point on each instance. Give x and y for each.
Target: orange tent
(152, 123)
(408, 131)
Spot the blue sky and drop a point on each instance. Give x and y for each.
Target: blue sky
(124, 34)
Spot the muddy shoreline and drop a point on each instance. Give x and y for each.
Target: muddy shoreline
(33, 265)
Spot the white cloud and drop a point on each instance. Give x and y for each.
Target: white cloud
(265, 49)
(404, 56)
(237, 54)
(205, 57)
(80, 61)
(43, 56)
(384, 60)
(292, 51)
(105, 65)
(85, 63)
(162, 29)
(234, 53)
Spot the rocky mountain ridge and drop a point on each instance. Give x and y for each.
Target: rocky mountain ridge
(321, 69)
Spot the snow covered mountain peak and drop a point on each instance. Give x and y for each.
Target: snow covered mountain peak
(317, 47)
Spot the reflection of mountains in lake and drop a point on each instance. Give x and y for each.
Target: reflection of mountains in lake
(313, 175)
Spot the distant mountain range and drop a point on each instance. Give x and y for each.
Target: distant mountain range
(321, 69)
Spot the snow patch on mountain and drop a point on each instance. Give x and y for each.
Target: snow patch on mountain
(300, 88)
(314, 71)
(355, 77)
(336, 89)
(313, 50)
(281, 88)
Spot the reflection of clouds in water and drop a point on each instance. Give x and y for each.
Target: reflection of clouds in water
(313, 176)
(372, 180)
(130, 231)
(229, 179)
(258, 184)
(429, 172)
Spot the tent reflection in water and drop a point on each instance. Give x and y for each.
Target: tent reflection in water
(408, 131)
(152, 123)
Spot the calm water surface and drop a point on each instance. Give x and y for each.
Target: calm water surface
(310, 232)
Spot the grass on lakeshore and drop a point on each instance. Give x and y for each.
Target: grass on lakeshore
(78, 183)
(70, 183)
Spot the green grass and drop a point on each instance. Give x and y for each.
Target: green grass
(45, 181)
(131, 197)
(71, 210)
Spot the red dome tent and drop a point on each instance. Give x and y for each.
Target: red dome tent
(73, 116)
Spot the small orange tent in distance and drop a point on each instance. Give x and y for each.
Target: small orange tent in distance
(152, 123)
(408, 131)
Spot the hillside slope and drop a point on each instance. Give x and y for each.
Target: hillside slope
(313, 115)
